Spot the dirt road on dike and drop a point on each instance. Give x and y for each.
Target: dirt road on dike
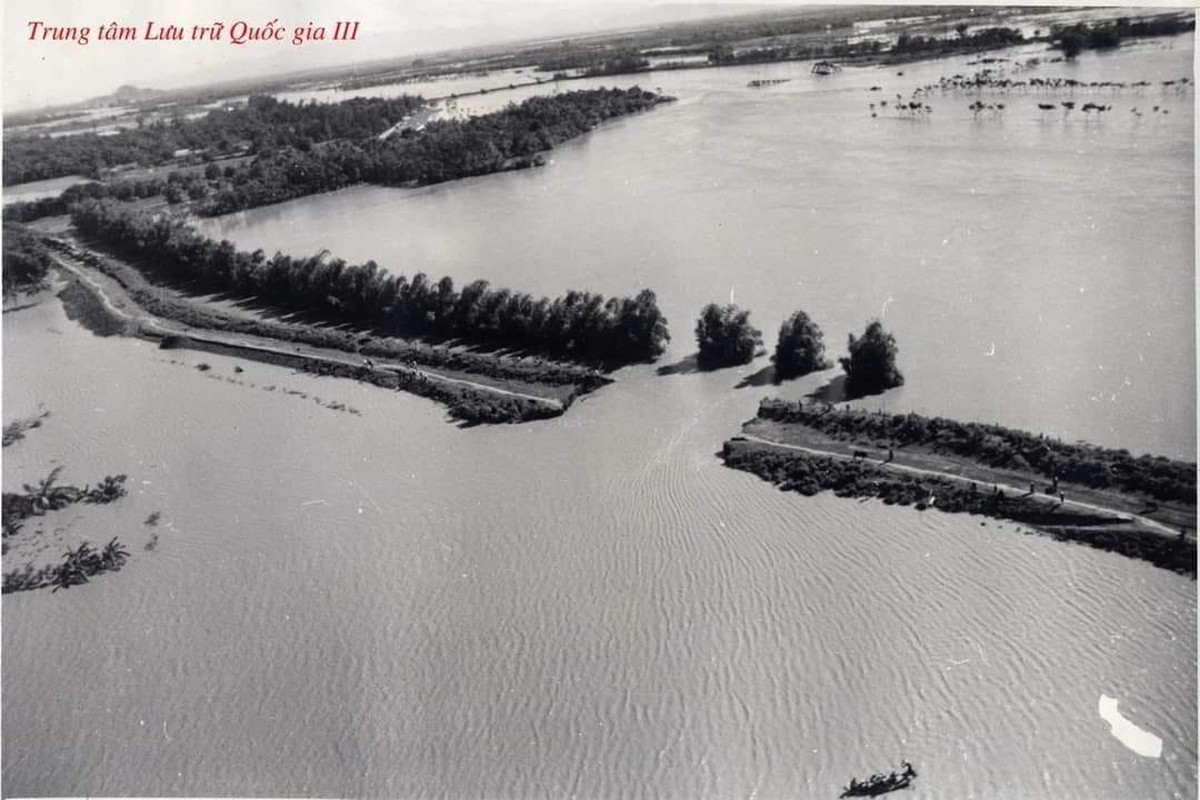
(892, 465)
(128, 310)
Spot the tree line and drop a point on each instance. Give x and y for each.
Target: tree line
(595, 64)
(1072, 39)
(906, 45)
(263, 125)
(983, 39)
(579, 325)
(445, 150)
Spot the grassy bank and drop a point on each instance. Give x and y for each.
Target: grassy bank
(83, 306)
(465, 403)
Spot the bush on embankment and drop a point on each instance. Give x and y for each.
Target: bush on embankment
(810, 474)
(996, 446)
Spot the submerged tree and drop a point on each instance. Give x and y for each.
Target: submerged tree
(871, 365)
(726, 337)
(801, 347)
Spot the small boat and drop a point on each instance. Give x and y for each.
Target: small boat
(825, 68)
(881, 784)
(758, 83)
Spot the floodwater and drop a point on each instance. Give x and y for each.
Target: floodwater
(38, 190)
(1035, 267)
(388, 605)
(438, 86)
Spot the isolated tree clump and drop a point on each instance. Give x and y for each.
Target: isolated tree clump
(725, 337)
(871, 365)
(801, 347)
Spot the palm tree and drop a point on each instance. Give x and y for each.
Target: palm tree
(110, 489)
(114, 555)
(12, 526)
(44, 486)
(48, 497)
(76, 566)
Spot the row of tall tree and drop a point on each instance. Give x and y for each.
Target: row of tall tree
(579, 325)
(725, 338)
(983, 39)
